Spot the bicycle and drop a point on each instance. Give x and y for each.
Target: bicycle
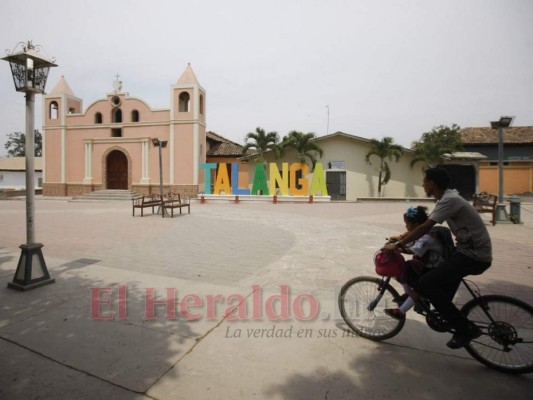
(506, 343)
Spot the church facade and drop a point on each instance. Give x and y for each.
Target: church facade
(110, 145)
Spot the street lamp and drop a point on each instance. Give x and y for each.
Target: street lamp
(161, 144)
(504, 122)
(30, 71)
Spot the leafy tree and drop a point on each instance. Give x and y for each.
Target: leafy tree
(384, 149)
(16, 144)
(304, 145)
(261, 142)
(433, 144)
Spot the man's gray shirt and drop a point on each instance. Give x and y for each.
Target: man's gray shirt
(464, 221)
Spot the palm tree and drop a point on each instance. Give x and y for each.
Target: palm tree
(260, 142)
(304, 145)
(433, 144)
(430, 153)
(384, 149)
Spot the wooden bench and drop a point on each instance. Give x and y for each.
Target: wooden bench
(173, 201)
(486, 203)
(146, 201)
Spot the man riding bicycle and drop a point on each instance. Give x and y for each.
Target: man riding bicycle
(473, 255)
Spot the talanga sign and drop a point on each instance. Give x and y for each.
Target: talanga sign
(288, 182)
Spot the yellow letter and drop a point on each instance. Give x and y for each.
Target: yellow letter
(318, 184)
(222, 182)
(302, 182)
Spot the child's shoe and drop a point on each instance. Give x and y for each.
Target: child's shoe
(394, 313)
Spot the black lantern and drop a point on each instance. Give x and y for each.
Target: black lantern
(29, 68)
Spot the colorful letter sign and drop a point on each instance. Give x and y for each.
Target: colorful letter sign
(290, 181)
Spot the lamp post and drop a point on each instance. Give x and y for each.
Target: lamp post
(504, 122)
(30, 71)
(161, 144)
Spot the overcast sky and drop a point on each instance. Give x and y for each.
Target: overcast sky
(382, 67)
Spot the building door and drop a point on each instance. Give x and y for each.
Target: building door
(117, 170)
(336, 184)
(463, 179)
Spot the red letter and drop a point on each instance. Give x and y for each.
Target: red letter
(211, 305)
(240, 307)
(297, 307)
(96, 301)
(122, 302)
(256, 303)
(150, 303)
(185, 304)
(284, 305)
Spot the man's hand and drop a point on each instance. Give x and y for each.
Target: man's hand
(392, 246)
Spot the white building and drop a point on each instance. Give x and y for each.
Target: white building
(13, 173)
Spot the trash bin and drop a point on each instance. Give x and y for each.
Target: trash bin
(515, 209)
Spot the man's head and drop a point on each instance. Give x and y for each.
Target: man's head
(436, 181)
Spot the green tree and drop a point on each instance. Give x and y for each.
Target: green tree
(433, 144)
(384, 149)
(304, 144)
(260, 142)
(16, 144)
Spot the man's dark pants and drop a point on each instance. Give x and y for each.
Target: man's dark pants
(440, 284)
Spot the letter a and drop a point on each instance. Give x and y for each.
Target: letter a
(318, 184)
(260, 181)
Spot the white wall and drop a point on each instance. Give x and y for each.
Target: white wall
(17, 179)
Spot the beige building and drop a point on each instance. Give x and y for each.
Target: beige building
(349, 177)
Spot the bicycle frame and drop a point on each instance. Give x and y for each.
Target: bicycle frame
(375, 302)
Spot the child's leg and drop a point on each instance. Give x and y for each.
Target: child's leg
(407, 305)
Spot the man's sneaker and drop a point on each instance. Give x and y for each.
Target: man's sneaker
(401, 299)
(394, 313)
(459, 340)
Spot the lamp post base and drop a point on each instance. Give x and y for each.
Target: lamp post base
(31, 270)
(501, 214)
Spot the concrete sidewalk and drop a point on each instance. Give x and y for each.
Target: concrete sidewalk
(96, 332)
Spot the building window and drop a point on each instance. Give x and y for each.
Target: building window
(54, 111)
(116, 132)
(71, 110)
(135, 116)
(202, 104)
(116, 116)
(98, 118)
(184, 101)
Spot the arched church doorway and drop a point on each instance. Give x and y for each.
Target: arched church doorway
(117, 170)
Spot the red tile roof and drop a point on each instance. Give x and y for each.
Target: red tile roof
(516, 135)
(219, 146)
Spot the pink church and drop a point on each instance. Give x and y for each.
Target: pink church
(109, 145)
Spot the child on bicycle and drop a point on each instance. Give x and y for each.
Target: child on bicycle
(427, 253)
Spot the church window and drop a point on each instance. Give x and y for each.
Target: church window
(202, 104)
(54, 112)
(184, 101)
(116, 132)
(135, 116)
(116, 116)
(98, 118)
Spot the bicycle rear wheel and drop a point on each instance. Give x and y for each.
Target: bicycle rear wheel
(507, 325)
(363, 310)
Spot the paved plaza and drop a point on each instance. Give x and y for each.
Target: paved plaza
(141, 306)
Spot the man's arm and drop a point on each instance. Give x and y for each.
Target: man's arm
(416, 233)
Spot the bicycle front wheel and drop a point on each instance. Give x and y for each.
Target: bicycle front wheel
(362, 308)
(507, 325)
